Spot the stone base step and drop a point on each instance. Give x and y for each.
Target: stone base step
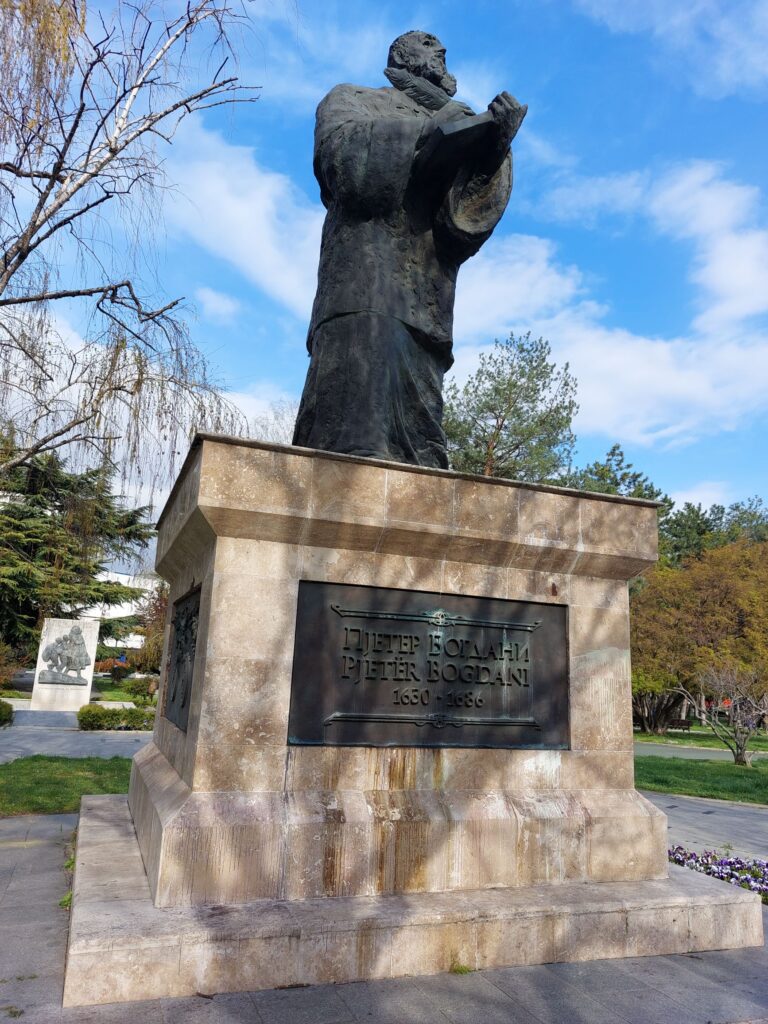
(123, 948)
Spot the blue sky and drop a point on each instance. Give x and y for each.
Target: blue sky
(636, 239)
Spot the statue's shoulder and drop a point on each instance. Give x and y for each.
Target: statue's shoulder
(350, 99)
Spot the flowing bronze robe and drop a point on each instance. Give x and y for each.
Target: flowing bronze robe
(380, 337)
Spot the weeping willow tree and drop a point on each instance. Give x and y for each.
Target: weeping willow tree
(86, 99)
(37, 40)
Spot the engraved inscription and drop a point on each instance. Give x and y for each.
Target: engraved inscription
(390, 667)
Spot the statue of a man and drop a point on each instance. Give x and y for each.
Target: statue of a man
(413, 183)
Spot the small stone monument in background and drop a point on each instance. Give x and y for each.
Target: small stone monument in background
(65, 662)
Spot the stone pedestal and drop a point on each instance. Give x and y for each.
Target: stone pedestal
(227, 812)
(57, 688)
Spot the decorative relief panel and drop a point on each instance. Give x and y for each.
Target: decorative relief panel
(186, 615)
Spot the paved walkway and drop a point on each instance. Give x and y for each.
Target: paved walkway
(706, 988)
(55, 733)
(712, 824)
(690, 753)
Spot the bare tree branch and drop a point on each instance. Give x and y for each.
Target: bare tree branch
(82, 109)
(736, 705)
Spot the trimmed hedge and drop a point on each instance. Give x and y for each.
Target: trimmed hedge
(6, 713)
(142, 686)
(93, 716)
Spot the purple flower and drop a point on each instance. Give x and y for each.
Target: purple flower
(747, 873)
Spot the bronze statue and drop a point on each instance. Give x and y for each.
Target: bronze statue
(414, 183)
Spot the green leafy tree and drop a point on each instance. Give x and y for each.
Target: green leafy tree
(58, 531)
(691, 530)
(687, 532)
(152, 626)
(513, 416)
(655, 703)
(614, 475)
(687, 621)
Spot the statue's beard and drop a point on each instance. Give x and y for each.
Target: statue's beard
(437, 73)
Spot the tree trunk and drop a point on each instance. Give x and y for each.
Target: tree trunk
(743, 757)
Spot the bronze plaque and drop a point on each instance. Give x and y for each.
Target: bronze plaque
(379, 667)
(186, 614)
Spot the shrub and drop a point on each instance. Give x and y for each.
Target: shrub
(142, 686)
(746, 873)
(9, 665)
(142, 691)
(104, 664)
(6, 713)
(93, 716)
(120, 671)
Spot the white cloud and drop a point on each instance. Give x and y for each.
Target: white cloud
(635, 389)
(304, 54)
(632, 388)
(541, 151)
(655, 390)
(259, 397)
(720, 44)
(695, 203)
(719, 216)
(515, 273)
(217, 306)
(253, 218)
(581, 199)
(705, 493)
(477, 84)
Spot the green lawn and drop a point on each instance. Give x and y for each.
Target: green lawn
(719, 780)
(54, 785)
(14, 695)
(698, 737)
(109, 691)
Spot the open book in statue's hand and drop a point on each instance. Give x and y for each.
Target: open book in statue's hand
(452, 144)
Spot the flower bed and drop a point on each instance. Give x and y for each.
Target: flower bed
(749, 874)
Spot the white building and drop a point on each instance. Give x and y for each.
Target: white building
(147, 581)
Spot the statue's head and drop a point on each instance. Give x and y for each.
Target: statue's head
(424, 55)
(76, 631)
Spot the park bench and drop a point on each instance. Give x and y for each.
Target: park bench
(681, 723)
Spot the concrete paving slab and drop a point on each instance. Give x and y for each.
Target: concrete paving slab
(688, 753)
(550, 997)
(31, 826)
(390, 1001)
(25, 741)
(700, 824)
(321, 1004)
(467, 998)
(226, 1009)
(45, 719)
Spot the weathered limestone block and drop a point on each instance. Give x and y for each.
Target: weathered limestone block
(122, 947)
(226, 810)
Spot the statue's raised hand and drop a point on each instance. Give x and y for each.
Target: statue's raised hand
(508, 115)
